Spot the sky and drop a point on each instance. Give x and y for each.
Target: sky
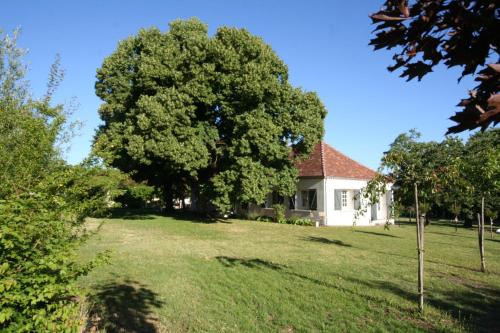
(324, 43)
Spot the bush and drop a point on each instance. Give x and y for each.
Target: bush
(264, 219)
(300, 221)
(279, 213)
(136, 195)
(39, 233)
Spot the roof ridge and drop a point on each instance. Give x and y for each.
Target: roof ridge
(341, 153)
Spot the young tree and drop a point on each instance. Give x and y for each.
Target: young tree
(483, 171)
(29, 127)
(416, 169)
(453, 193)
(426, 33)
(43, 203)
(216, 113)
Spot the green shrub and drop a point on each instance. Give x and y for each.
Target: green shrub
(39, 233)
(295, 220)
(136, 195)
(279, 213)
(264, 219)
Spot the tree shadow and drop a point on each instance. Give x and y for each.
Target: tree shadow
(376, 233)
(250, 263)
(134, 214)
(283, 269)
(478, 305)
(123, 307)
(426, 260)
(326, 241)
(447, 234)
(491, 240)
(193, 217)
(153, 213)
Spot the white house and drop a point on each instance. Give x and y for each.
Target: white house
(329, 190)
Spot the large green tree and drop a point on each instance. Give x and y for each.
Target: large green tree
(463, 33)
(216, 113)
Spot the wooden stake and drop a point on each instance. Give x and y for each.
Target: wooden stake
(481, 237)
(420, 245)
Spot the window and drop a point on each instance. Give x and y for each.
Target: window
(309, 199)
(313, 202)
(344, 198)
(304, 196)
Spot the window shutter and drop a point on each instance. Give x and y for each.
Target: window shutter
(337, 194)
(357, 199)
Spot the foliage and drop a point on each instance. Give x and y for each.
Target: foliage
(29, 127)
(426, 33)
(451, 176)
(300, 221)
(264, 219)
(279, 213)
(214, 113)
(39, 233)
(136, 195)
(482, 168)
(43, 203)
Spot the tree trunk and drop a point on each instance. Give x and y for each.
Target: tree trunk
(168, 196)
(420, 251)
(456, 223)
(480, 230)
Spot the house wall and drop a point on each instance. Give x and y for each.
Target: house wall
(327, 214)
(299, 211)
(346, 215)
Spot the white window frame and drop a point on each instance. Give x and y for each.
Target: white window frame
(343, 199)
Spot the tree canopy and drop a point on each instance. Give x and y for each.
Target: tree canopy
(214, 112)
(452, 176)
(463, 33)
(29, 127)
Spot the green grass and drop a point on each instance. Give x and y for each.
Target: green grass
(178, 275)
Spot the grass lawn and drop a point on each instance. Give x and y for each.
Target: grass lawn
(171, 274)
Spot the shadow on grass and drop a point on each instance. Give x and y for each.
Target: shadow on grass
(477, 305)
(410, 258)
(193, 217)
(491, 240)
(474, 306)
(123, 307)
(250, 263)
(152, 213)
(449, 234)
(326, 241)
(135, 214)
(376, 233)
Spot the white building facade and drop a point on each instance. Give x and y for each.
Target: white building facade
(330, 191)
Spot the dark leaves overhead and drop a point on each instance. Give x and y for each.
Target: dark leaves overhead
(456, 33)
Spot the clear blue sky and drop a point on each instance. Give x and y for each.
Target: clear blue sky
(324, 43)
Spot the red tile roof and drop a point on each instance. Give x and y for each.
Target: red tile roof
(325, 161)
